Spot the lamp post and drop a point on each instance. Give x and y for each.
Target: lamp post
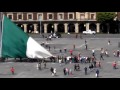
(52, 29)
(40, 24)
(85, 27)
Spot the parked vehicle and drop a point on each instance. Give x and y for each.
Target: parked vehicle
(89, 32)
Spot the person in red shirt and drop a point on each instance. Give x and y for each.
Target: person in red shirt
(12, 70)
(114, 65)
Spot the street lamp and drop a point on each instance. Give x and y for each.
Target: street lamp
(85, 27)
(40, 18)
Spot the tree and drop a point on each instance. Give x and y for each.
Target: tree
(105, 16)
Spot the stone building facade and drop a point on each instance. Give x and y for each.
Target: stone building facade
(47, 22)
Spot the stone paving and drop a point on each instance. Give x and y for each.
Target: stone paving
(28, 70)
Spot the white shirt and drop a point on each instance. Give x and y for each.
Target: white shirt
(93, 51)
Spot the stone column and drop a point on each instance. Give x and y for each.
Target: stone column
(66, 27)
(55, 27)
(86, 15)
(87, 26)
(35, 28)
(45, 28)
(77, 15)
(76, 28)
(25, 27)
(98, 27)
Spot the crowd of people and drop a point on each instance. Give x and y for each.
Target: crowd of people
(92, 60)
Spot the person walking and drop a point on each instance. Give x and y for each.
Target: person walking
(64, 71)
(97, 73)
(70, 71)
(44, 64)
(54, 71)
(74, 46)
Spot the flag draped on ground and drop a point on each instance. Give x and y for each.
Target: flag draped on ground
(16, 43)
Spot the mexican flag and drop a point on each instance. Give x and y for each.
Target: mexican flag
(15, 43)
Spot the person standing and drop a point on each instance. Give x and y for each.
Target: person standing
(101, 56)
(99, 64)
(86, 46)
(106, 53)
(114, 65)
(93, 52)
(85, 70)
(60, 61)
(74, 46)
(118, 53)
(51, 69)
(67, 71)
(12, 70)
(75, 67)
(109, 42)
(94, 62)
(70, 71)
(49, 48)
(85, 42)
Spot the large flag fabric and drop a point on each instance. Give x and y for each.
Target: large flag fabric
(16, 43)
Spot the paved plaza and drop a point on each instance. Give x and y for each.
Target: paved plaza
(29, 69)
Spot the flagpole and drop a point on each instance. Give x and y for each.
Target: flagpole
(1, 33)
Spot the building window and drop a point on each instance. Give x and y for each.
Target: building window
(30, 16)
(60, 16)
(92, 16)
(40, 16)
(82, 16)
(19, 16)
(10, 16)
(71, 16)
(50, 16)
